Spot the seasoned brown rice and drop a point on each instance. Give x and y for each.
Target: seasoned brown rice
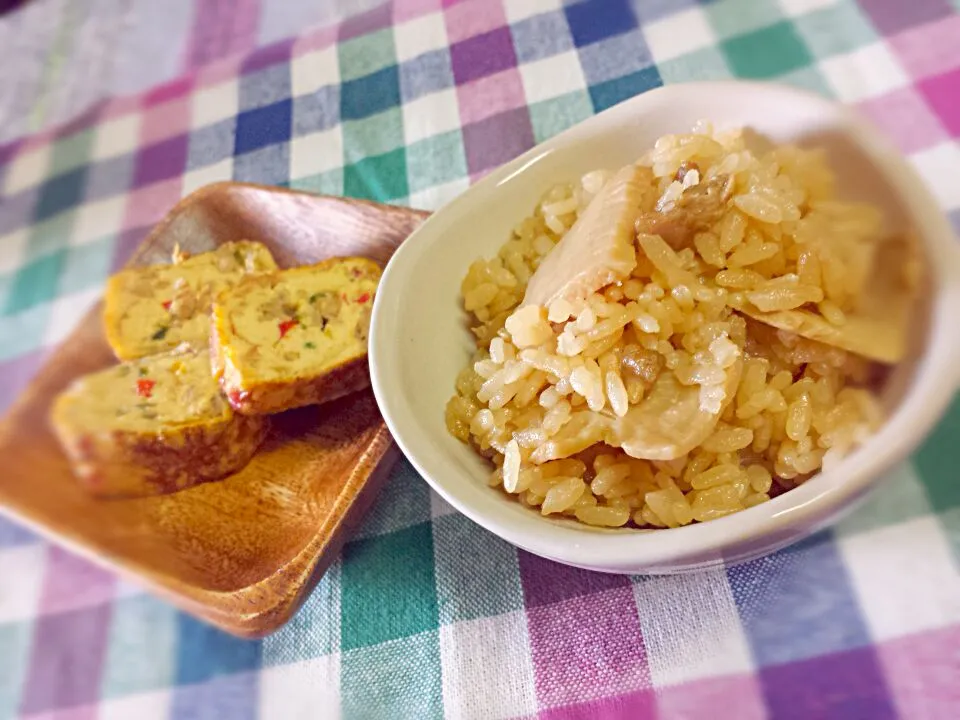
(550, 390)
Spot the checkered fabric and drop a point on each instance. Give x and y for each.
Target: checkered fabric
(426, 615)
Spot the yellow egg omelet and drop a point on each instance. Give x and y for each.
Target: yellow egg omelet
(153, 426)
(153, 309)
(296, 337)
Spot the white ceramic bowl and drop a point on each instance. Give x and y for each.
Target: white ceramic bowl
(419, 341)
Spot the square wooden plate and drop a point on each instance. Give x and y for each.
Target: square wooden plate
(242, 553)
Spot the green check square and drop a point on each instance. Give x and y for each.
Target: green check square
(71, 152)
(86, 265)
(35, 283)
(6, 282)
(141, 653)
(705, 64)
(938, 459)
(553, 116)
(380, 178)
(901, 497)
(374, 135)
(610, 92)
(325, 183)
(315, 629)
(399, 679)
(766, 53)
(735, 17)
(436, 160)
(23, 332)
(50, 235)
(388, 590)
(833, 30)
(950, 522)
(808, 78)
(366, 54)
(15, 641)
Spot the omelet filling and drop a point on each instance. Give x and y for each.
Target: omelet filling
(162, 306)
(301, 322)
(164, 391)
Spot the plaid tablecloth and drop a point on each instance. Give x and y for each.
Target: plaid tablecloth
(426, 614)
(59, 56)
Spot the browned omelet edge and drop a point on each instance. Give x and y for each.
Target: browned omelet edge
(128, 464)
(264, 398)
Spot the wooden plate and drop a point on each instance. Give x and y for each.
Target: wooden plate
(245, 552)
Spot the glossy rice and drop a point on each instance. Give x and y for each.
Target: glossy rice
(669, 396)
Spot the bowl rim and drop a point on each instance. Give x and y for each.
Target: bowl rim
(809, 505)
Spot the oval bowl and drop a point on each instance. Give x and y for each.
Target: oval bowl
(419, 339)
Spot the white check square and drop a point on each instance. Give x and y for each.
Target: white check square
(314, 70)
(419, 36)
(679, 34)
(23, 568)
(552, 76)
(66, 311)
(487, 670)
(796, 8)
(301, 691)
(12, 248)
(938, 166)
(516, 11)
(865, 73)
(144, 706)
(28, 169)
(96, 219)
(433, 198)
(195, 179)
(905, 576)
(116, 137)
(212, 104)
(703, 638)
(316, 153)
(431, 115)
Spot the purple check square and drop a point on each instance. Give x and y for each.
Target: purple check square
(633, 705)
(162, 160)
(893, 16)
(8, 150)
(67, 661)
(546, 582)
(499, 138)
(367, 22)
(268, 55)
(943, 94)
(482, 55)
(830, 687)
(587, 647)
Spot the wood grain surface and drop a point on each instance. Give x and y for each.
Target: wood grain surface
(242, 553)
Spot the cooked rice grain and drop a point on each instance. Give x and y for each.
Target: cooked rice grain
(546, 384)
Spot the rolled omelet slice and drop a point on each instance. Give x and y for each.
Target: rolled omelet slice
(152, 426)
(296, 337)
(153, 309)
